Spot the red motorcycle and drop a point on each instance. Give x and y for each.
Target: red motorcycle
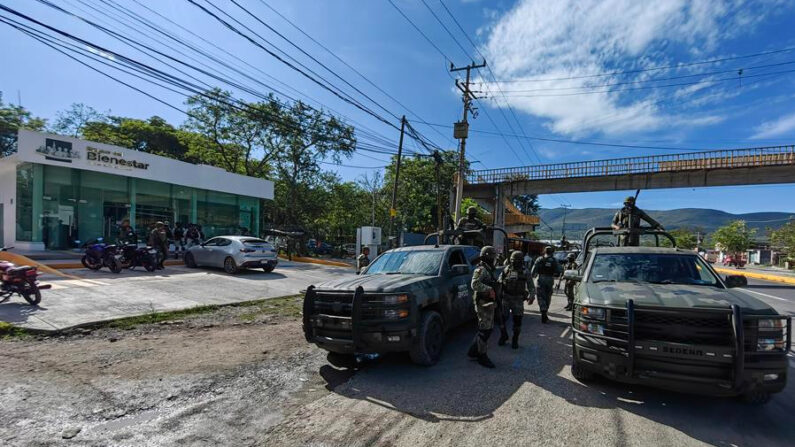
(21, 280)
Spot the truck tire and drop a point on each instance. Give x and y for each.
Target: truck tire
(430, 337)
(579, 372)
(756, 396)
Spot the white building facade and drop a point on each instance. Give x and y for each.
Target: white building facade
(57, 191)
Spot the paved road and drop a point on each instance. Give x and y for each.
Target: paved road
(780, 296)
(101, 295)
(530, 399)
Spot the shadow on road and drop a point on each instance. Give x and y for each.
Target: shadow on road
(18, 312)
(458, 389)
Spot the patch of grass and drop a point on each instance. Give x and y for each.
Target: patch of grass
(286, 306)
(155, 317)
(8, 330)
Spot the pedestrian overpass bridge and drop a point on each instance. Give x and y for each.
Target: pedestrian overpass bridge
(493, 188)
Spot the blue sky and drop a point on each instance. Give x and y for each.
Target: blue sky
(561, 70)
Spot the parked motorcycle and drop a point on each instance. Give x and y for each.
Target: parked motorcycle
(22, 280)
(132, 256)
(99, 254)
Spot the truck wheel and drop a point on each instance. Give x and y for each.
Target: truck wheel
(430, 336)
(579, 372)
(756, 396)
(341, 360)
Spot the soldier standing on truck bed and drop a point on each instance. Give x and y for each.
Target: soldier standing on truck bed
(470, 221)
(517, 286)
(484, 283)
(629, 217)
(546, 268)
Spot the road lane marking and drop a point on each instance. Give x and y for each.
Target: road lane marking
(764, 294)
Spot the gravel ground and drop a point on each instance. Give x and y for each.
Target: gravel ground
(246, 376)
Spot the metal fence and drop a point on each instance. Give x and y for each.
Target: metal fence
(721, 159)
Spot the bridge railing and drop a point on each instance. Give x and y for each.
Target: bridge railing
(720, 159)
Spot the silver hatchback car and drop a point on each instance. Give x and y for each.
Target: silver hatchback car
(233, 253)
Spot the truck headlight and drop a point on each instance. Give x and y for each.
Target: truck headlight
(771, 335)
(391, 300)
(771, 323)
(592, 328)
(597, 313)
(770, 344)
(395, 314)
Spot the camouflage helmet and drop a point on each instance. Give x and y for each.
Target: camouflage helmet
(517, 256)
(630, 200)
(472, 211)
(571, 256)
(548, 250)
(488, 252)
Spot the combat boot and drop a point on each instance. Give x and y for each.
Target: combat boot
(473, 351)
(484, 360)
(503, 337)
(544, 317)
(515, 340)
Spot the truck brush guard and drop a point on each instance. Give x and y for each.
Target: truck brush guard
(663, 343)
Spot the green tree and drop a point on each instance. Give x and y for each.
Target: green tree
(154, 135)
(417, 192)
(785, 237)
(734, 237)
(246, 138)
(13, 118)
(71, 121)
(685, 238)
(527, 203)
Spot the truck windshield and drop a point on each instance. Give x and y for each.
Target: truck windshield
(407, 263)
(652, 268)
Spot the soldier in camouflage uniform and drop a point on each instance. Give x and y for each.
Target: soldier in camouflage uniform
(630, 217)
(546, 268)
(517, 286)
(363, 260)
(484, 283)
(471, 221)
(568, 289)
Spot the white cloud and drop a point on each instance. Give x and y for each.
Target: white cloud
(782, 126)
(541, 39)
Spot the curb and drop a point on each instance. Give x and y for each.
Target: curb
(764, 276)
(79, 265)
(316, 261)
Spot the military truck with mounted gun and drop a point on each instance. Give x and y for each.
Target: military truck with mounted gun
(405, 300)
(663, 317)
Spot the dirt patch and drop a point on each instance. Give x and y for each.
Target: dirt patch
(219, 377)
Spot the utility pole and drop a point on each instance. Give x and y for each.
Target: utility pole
(437, 158)
(392, 209)
(461, 131)
(563, 227)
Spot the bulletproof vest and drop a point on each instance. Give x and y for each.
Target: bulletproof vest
(547, 267)
(515, 281)
(487, 277)
(629, 218)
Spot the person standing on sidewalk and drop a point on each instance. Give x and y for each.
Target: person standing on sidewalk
(159, 241)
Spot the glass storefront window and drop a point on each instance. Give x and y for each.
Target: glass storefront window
(25, 202)
(62, 207)
(152, 204)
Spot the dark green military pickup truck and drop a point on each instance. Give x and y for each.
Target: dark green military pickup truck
(405, 300)
(663, 317)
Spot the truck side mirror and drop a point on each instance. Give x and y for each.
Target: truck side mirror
(572, 275)
(736, 281)
(459, 269)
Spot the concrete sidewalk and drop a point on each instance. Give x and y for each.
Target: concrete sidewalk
(759, 272)
(87, 297)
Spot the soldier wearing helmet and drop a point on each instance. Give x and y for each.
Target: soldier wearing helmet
(630, 217)
(517, 286)
(470, 221)
(484, 284)
(570, 264)
(545, 268)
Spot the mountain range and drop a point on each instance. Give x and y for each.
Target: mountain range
(706, 220)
